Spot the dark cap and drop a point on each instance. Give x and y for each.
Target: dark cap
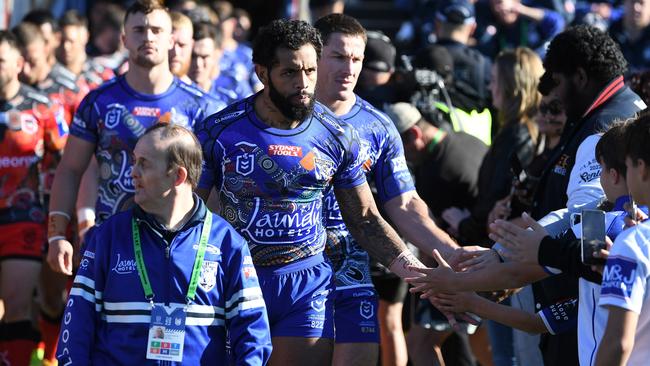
(380, 53)
(456, 11)
(436, 58)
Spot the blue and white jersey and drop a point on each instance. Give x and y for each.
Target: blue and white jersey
(385, 167)
(625, 284)
(591, 318)
(239, 63)
(114, 116)
(271, 181)
(107, 316)
(228, 88)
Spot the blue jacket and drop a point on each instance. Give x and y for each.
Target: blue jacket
(106, 321)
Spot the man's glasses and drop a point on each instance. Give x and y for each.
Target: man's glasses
(552, 108)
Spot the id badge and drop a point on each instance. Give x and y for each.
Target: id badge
(166, 334)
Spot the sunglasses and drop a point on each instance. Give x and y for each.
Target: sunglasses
(552, 108)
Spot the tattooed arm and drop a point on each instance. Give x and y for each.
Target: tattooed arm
(372, 232)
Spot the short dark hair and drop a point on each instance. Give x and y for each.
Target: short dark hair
(339, 23)
(145, 7)
(585, 47)
(610, 149)
(179, 152)
(40, 17)
(637, 138)
(27, 33)
(204, 30)
(10, 39)
(73, 18)
(282, 33)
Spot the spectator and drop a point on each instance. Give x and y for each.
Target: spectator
(504, 24)
(632, 32)
(514, 93)
(455, 25)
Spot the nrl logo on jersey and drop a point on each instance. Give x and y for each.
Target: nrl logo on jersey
(208, 275)
(366, 309)
(245, 163)
(113, 115)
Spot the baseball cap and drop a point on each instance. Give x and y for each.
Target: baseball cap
(404, 115)
(456, 12)
(380, 53)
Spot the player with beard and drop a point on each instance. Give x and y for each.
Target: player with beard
(355, 300)
(271, 157)
(111, 118)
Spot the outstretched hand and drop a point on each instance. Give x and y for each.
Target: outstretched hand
(521, 245)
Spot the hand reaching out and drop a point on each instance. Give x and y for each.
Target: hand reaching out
(520, 244)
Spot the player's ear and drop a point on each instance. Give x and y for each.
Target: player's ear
(263, 74)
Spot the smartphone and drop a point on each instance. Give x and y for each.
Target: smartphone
(593, 235)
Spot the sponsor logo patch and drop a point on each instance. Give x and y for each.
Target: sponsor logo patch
(285, 150)
(618, 277)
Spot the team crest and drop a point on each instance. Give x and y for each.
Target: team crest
(208, 275)
(366, 309)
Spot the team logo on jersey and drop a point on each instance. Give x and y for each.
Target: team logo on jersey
(249, 271)
(208, 275)
(28, 123)
(124, 179)
(366, 309)
(285, 150)
(618, 277)
(590, 171)
(318, 300)
(114, 115)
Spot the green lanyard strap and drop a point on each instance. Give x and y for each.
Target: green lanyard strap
(196, 269)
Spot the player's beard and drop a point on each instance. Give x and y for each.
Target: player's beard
(147, 61)
(293, 112)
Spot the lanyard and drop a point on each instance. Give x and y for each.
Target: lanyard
(198, 260)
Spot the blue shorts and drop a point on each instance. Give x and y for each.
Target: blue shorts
(298, 298)
(355, 315)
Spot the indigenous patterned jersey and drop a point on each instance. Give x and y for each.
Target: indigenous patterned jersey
(384, 164)
(114, 116)
(29, 132)
(271, 181)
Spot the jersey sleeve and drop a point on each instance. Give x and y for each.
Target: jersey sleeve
(560, 317)
(349, 173)
(82, 312)
(391, 174)
(84, 123)
(584, 182)
(246, 318)
(212, 153)
(626, 273)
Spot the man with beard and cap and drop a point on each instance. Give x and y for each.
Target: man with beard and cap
(112, 117)
(270, 159)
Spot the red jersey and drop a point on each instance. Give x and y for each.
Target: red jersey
(61, 88)
(30, 135)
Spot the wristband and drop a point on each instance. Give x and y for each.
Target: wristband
(56, 237)
(86, 214)
(400, 265)
(57, 223)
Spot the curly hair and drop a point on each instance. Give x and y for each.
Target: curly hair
(585, 47)
(282, 33)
